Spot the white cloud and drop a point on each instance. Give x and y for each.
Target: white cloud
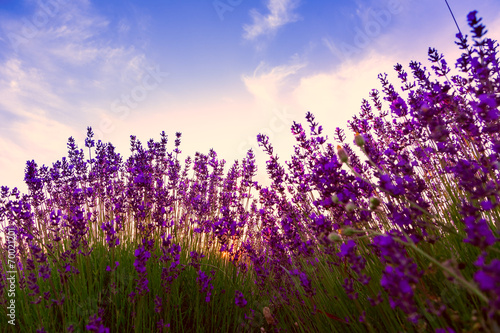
(280, 13)
(266, 85)
(123, 26)
(24, 90)
(31, 140)
(334, 97)
(44, 76)
(27, 103)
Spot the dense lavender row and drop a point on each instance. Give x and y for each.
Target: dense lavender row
(429, 171)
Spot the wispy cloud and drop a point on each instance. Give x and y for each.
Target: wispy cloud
(25, 92)
(265, 84)
(72, 50)
(280, 13)
(335, 96)
(56, 75)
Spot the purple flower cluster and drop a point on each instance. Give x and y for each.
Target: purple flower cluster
(400, 276)
(239, 299)
(171, 254)
(195, 259)
(357, 264)
(95, 323)
(142, 255)
(429, 168)
(488, 279)
(305, 282)
(203, 281)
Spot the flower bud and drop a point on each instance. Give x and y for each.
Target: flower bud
(268, 316)
(350, 207)
(342, 154)
(359, 140)
(334, 237)
(335, 199)
(374, 202)
(348, 232)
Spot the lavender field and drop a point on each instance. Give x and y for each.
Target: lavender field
(392, 227)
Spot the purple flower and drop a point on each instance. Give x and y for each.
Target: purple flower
(158, 304)
(445, 330)
(478, 233)
(32, 285)
(142, 255)
(357, 264)
(400, 276)
(111, 237)
(203, 281)
(44, 271)
(240, 300)
(486, 205)
(349, 288)
(485, 281)
(195, 259)
(89, 142)
(171, 253)
(95, 326)
(488, 279)
(141, 258)
(95, 323)
(160, 325)
(304, 281)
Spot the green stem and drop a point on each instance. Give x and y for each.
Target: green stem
(466, 283)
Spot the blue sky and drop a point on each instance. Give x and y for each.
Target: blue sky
(220, 72)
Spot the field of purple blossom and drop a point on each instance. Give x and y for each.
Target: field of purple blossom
(402, 238)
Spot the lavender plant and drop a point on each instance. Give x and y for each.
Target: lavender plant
(397, 231)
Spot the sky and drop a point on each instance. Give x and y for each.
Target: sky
(219, 72)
